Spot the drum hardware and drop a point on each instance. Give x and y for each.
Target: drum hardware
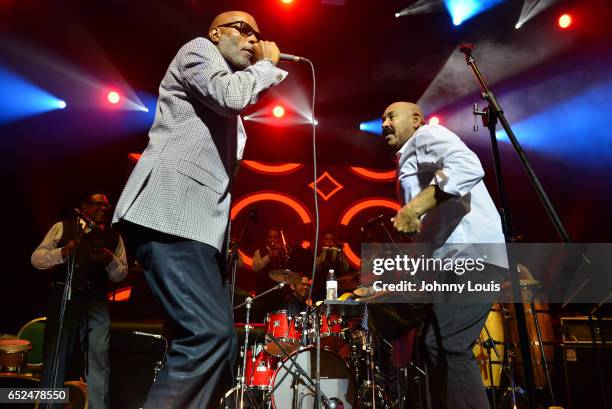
(241, 378)
(160, 364)
(283, 275)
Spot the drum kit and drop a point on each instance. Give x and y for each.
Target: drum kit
(290, 361)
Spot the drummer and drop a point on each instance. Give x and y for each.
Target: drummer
(297, 299)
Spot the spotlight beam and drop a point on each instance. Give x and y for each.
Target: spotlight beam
(421, 7)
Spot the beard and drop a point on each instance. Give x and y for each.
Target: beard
(233, 54)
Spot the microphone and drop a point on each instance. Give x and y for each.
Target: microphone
(90, 223)
(291, 58)
(372, 222)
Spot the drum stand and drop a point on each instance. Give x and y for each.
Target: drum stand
(507, 367)
(241, 378)
(319, 395)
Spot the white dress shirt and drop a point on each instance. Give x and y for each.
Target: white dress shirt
(48, 255)
(436, 156)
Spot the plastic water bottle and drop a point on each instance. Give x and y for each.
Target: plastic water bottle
(331, 286)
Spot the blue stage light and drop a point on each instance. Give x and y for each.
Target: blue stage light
(574, 130)
(462, 10)
(374, 126)
(20, 99)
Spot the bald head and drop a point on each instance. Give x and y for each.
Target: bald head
(235, 42)
(400, 121)
(231, 16)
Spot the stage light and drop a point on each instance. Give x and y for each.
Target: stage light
(374, 126)
(21, 99)
(565, 21)
(113, 97)
(286, 1)
(434, 120)
(462, 10)
(278, 111)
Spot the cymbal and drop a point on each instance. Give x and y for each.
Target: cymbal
(364, 292)
(283, 275)
(239, 292)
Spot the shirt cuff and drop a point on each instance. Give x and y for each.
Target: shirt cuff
(56, 256)
(279, 74)
(115, 270)
(443, 181)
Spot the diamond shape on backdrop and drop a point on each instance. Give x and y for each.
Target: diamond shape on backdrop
(327, 186)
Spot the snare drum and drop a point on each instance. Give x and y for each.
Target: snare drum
(12, 353)
(286, 330)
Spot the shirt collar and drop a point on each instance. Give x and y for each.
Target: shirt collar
(409, 142)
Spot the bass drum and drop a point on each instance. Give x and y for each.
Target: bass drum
(337, 381)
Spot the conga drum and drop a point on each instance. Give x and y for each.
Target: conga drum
(489, 363)
(548, 340)
(12, 353)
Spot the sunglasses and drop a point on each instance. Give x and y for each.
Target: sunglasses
(243, 28)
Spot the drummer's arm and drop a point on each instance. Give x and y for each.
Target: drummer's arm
(47, 254)
(259, 263)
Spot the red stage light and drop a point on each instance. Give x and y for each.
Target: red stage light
(287, 1)
(434, 120)
(113, 97)
(565, 21)
(278, 111)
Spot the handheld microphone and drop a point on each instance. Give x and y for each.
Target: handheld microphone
(372, 222)
(291, 58)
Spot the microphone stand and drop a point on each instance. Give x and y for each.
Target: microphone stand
(66, 298)
(493, 114)
(234, 258)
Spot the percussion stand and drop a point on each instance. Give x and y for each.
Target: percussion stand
(507, 366)
(489, 344)
(248, 303)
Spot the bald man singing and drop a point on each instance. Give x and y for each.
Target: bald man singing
(446, 204)
(174, 210)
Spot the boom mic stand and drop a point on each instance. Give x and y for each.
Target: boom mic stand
(493, 114)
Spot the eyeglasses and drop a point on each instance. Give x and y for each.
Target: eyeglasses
(99, 204)
(243, 28)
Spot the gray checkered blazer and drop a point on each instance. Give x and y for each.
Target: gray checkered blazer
(182, 182)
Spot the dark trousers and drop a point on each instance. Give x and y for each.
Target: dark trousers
(454, 326)
(87, 317)
(188, 279)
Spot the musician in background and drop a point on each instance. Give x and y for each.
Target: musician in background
(273, 255)
(297, 299)
(100, 256)
(331, 256)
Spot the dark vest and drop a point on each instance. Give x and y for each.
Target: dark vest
(89, 276)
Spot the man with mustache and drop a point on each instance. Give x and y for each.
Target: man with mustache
(175, 206)
(445, 202)
(100, 256)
